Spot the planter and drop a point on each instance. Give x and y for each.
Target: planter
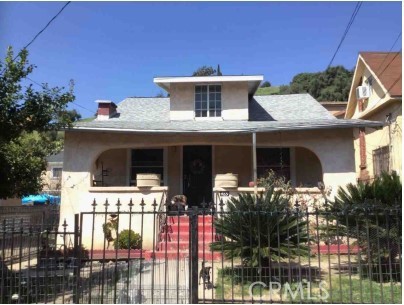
(226, 180)
(147, 180)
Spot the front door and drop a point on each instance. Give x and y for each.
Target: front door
(197, 174)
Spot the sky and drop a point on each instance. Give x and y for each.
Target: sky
(114, 50)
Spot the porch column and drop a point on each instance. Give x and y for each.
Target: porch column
(254, 155)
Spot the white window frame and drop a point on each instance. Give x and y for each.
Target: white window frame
(208, 101)
(164, 179)
(61, 171)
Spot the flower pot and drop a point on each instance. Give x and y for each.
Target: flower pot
(226, 180)
(147, 180)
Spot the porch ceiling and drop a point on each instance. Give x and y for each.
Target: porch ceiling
(221, 126)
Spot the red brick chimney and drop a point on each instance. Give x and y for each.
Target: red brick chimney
(106, 109)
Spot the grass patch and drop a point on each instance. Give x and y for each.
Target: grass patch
(342, 290)
(267, 90)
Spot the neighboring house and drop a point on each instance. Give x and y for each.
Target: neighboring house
(376, 94)
(210, 125)
(52, 178)
(337, 109)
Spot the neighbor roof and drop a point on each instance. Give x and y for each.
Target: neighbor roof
(58, 158)
(387, 66)
(267, 113)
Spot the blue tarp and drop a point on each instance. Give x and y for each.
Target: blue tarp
(40, 199)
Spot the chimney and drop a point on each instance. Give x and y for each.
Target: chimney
(106, 109)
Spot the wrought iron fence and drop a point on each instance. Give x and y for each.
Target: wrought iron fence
(250, 250)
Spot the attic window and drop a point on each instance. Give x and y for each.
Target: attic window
(208, 101)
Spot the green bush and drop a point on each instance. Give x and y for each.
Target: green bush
(128, 239)
(261, 229)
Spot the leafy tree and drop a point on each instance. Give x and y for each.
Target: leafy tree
(204, 71)
(160, 94)
(219, 72)
(265, 84)
(28, 121)
(261, 229)
(70, 115)
(332, 84)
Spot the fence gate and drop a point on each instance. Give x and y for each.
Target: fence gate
(245, 252)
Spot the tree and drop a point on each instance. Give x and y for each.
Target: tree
(332, 84)
(265, 84)
(219, 72)
(261, 229)
(204, 71)
(160, 94)
(28, 122)
(71, 115)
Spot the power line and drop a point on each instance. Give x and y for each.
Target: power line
(398, 37)
(40, 32)
(43, 87)
(389, 63)
(50, 21)
(351, 20)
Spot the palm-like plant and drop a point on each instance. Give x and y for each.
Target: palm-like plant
(370, 213)
(261, 229)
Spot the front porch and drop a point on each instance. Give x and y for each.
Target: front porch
(105, 167)
(191, 170)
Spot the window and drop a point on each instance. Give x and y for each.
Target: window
(208, 101)
(147, 161)
(276, 159)
(56, 172)
(381, 160)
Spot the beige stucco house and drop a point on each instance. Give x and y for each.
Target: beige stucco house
(376, 94)
(208, 126)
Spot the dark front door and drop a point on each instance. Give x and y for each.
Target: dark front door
(197, 174)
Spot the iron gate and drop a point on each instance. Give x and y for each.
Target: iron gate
(139, 253)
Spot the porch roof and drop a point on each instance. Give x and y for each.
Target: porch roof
(221, 126)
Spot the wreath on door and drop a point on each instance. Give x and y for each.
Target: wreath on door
(197, 167)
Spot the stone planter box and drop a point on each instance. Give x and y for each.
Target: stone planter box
(226, 180)
(148, 180)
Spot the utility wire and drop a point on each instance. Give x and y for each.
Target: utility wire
(398, 37)
(351, 20)
(40, 32)
(43, 87)
(50, 21)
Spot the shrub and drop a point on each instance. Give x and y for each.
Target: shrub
(261, 229)
(370, 213)
(128, 239)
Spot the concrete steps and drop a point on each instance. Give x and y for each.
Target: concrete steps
(174, 238)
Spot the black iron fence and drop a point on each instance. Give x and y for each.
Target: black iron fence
(244, 251)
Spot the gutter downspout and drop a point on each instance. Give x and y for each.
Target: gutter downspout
(254, 155)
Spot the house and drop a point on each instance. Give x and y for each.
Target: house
(52, 178)
(376, 94)
(209, 125)
(337, 109)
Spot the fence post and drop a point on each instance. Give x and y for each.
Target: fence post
(76, 293)
(193, 247)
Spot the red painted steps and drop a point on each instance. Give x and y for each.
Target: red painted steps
(174, 238)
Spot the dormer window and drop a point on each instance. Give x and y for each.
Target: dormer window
(208, 101)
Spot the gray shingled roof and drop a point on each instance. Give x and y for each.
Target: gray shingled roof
(55, 158)
(286, 108)
(143, 109)
(267, 113)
